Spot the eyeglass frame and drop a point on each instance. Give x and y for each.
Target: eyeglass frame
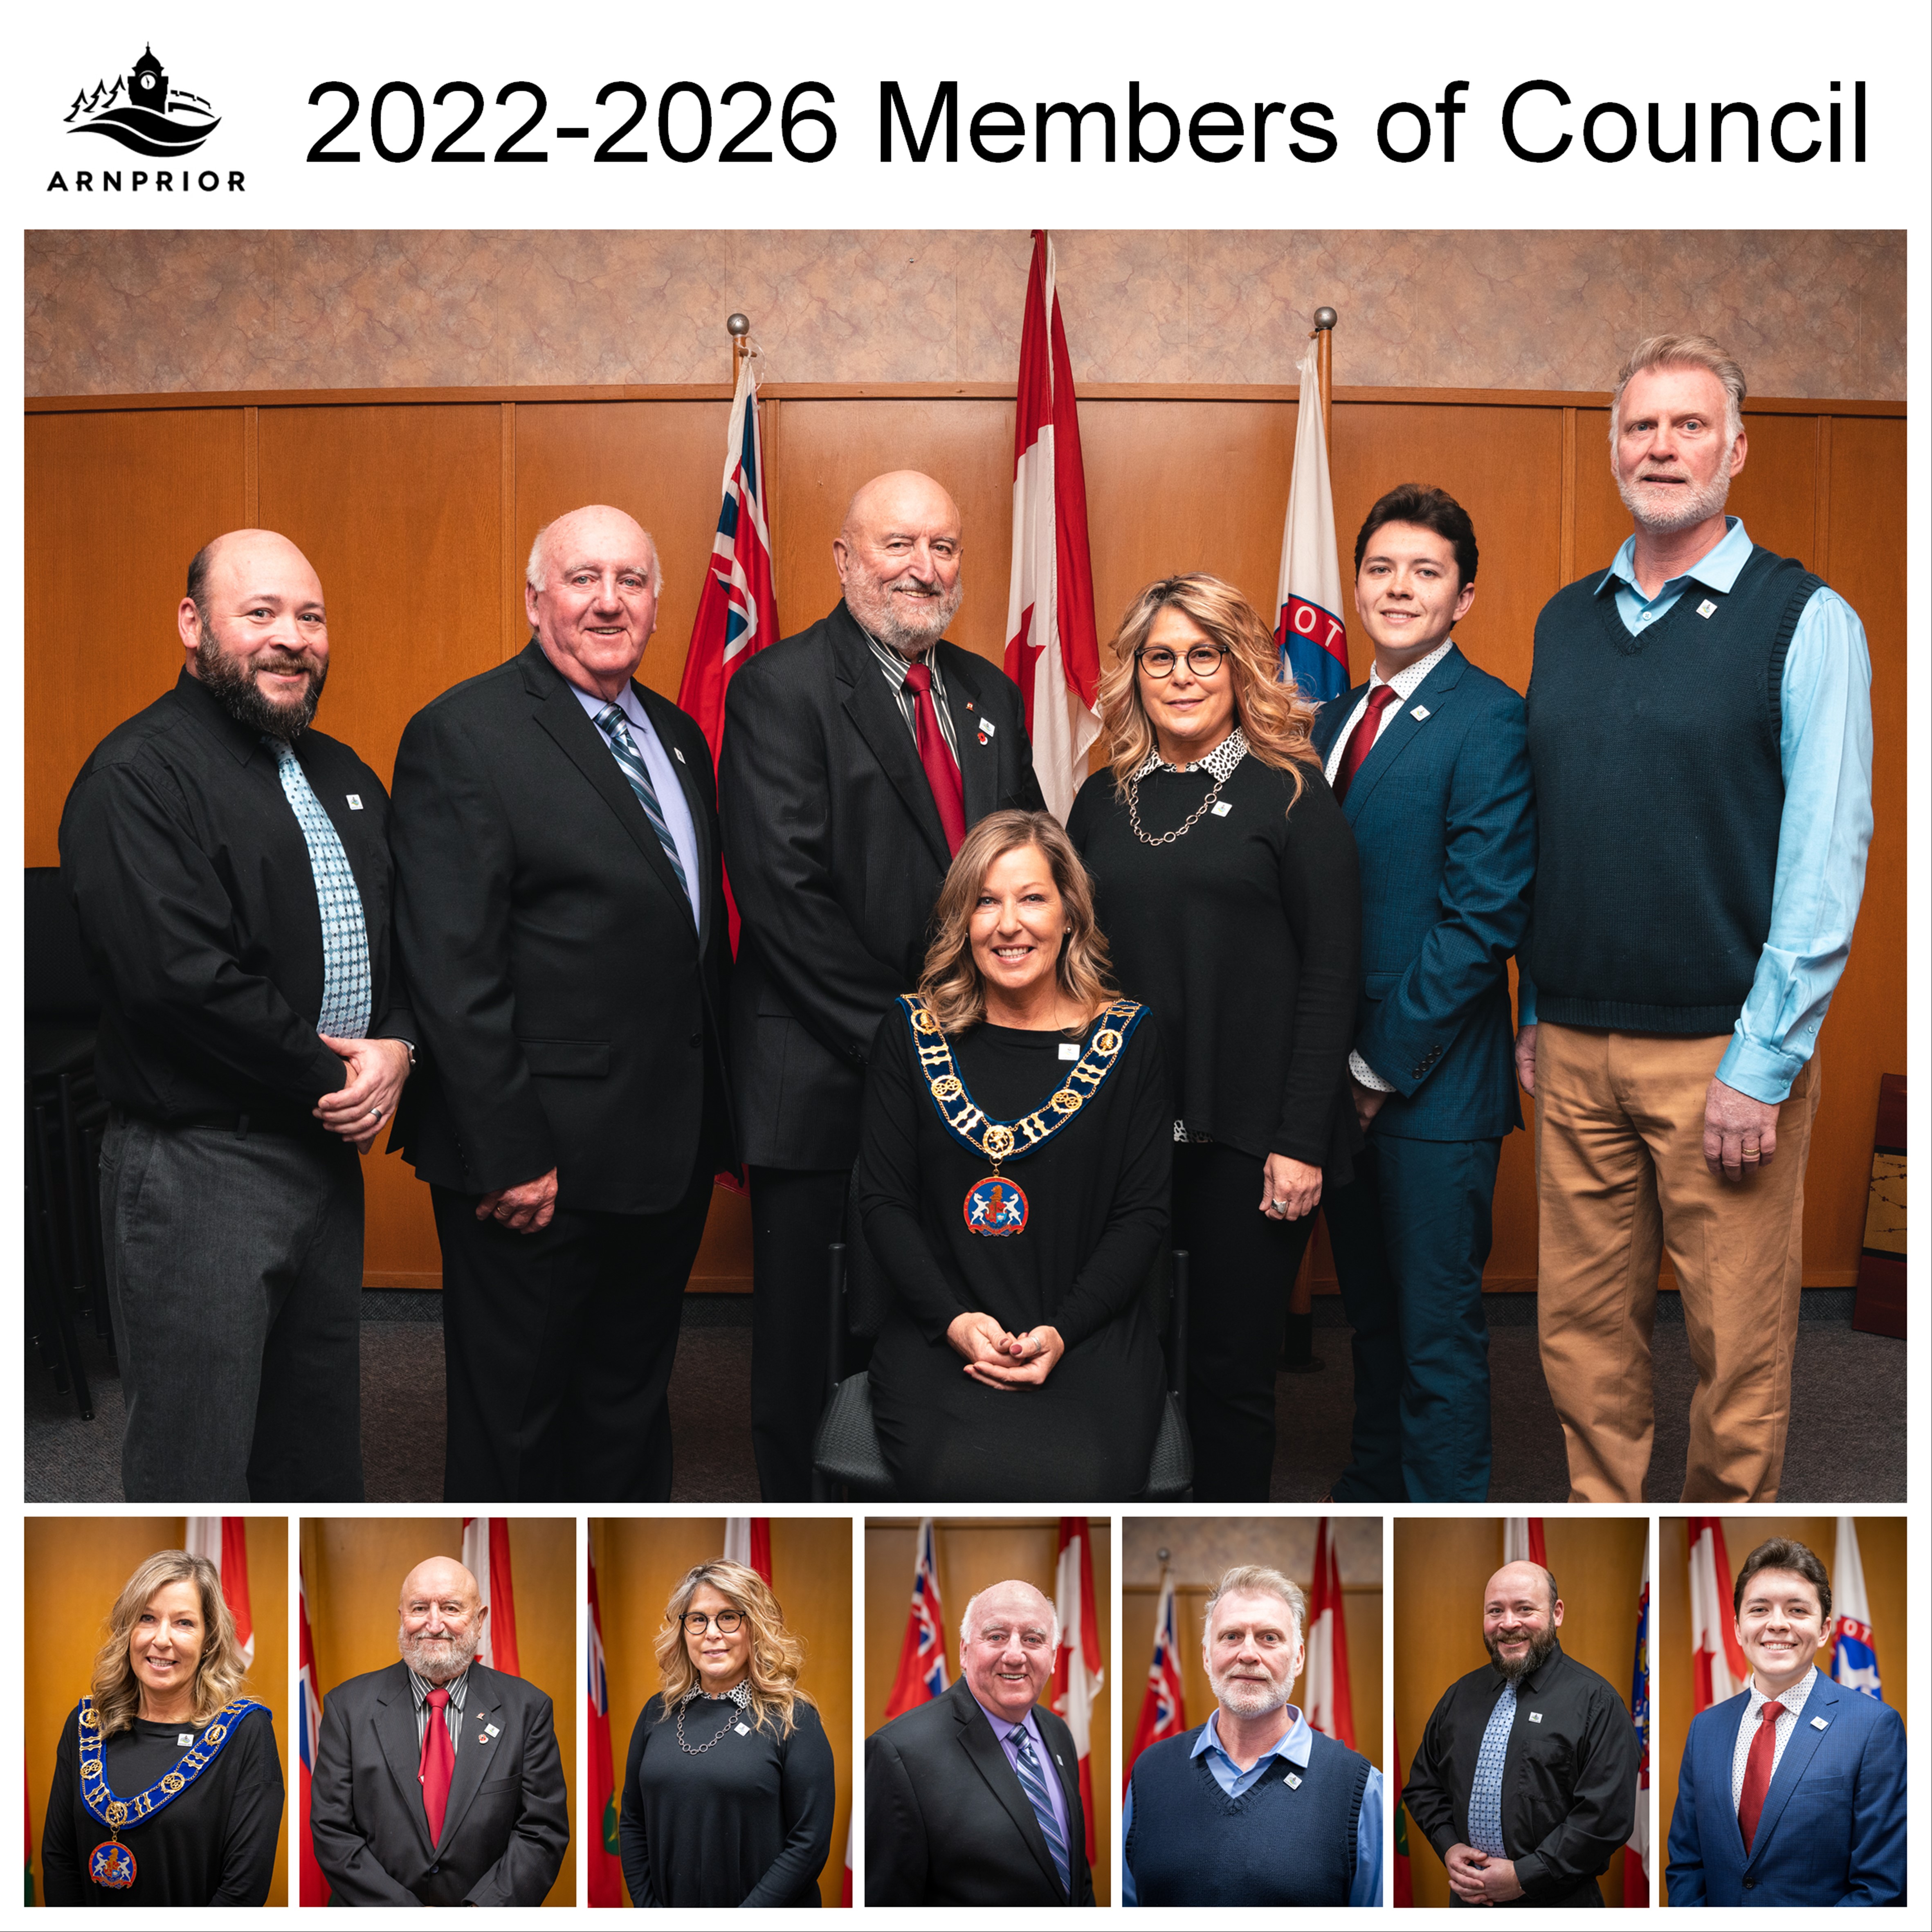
(1221, 651)
(706, 1620)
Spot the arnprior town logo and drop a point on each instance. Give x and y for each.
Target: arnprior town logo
(142, 112)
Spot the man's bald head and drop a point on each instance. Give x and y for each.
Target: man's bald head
(898, 555)
(1015, 1598)
(594, 526)
(442, 1615)
(1008, 1640)
(254, 630)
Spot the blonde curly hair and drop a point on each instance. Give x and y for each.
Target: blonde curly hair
(221, 1672)
(777, 1656)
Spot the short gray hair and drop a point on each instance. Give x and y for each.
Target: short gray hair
(1256, 1579)
(534, 571)
(1683, 351)
(1010, 1583)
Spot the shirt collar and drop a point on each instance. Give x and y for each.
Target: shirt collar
(420, 1686)
(1219, 762)
(894, 663)
(243, 740)
(1295, 1744)
(1793, 1699)
(1718, 567)
(1004, 1727)
(1404, 681)
(625, 700)
(1538, 1679)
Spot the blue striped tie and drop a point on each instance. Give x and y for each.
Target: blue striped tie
(1485, 1788)
(345, 937)
(619, 733)
(1033, 1784)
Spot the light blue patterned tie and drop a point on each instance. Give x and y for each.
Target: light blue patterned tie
(1032, 1782)
(1485, 1793)
(619, 733)
(345, 938)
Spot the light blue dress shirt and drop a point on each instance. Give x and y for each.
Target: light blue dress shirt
(665, 781)
(1297, 1744)
(1825, 751)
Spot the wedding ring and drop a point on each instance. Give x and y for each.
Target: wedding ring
(1280, 1206)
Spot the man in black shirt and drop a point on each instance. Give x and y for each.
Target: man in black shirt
(230, 867)
(1526, 1781)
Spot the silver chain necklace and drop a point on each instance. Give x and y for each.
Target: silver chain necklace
(739, 1696)
(1201, 812)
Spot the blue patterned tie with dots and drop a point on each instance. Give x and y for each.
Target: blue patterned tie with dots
(345, 938)
(1485, 1793)
(632, 766)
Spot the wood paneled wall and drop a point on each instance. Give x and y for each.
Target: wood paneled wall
(352, 1572)
(1881, 1554)
(75, 1568)
(417, 508)
(973, 1551)
(639, 1563)
(1441, 1568)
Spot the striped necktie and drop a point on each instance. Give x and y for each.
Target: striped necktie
(632, 766)
(345, 937)
(1032, 1782)
(1485, 1789)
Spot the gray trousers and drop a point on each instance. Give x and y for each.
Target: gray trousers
(234, 1274)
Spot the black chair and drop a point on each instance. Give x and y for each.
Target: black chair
(846, 1458)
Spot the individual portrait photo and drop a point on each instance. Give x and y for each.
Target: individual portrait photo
(440, 1696)
(1522, 1701)
(1781, 1747)
(989, 1747)
(158, 1731)
(1253, 1772)
(720, 1676)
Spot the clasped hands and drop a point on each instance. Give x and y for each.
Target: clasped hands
(1477, 1879)
(356, 1110)
(1001, 1360)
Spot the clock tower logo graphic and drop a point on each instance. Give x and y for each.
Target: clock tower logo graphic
(142, 111)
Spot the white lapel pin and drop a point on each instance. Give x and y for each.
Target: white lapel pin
(1420, 712)
(1536, 1716)
(1817, 1724)
(987, 727)
(1293, 1781)
(1069, 1051)
(677, 754)
(1704, 609)
(1221, 810)
(491, 1728)
(743, 1730)
(354, 800)
(185, 1738)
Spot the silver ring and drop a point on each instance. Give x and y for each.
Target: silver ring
(375, 1113)
(1280, 1206)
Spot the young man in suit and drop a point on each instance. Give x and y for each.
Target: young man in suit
(974, 1799)
(561, 914)
(1429, 761)
(1792, 1792)
(855, 756)
(438, 1780)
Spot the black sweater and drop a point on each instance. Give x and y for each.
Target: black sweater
(214, 1845)
(1244, 936)
(748, 1822)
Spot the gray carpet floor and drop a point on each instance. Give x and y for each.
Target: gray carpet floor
(1839, 1373)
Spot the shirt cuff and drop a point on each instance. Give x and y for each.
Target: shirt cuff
(1764, 1073)
(1367, 1076)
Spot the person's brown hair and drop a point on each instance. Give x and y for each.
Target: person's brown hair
(777, 1656)
(221, 1672)
(949, 983)
(1784, 1553)
(1274, 716)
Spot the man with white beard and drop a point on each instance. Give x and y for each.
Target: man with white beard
(437, 1781)
(1700, 720)
(1291, 1817)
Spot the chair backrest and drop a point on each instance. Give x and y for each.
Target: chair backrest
(60, 983)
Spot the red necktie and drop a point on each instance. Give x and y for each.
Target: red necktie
(439, 1760)
(1757, 1771)
(942, 773)
(1362, 739)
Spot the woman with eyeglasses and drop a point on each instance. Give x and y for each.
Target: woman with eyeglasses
(728, 1793)
(1225, 878)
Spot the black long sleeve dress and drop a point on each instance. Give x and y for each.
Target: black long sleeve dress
(747, 1823)
(214, 1845)
(1097, 1214)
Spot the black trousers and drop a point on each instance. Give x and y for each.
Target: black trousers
(796, 1214)
(558, 1348)
(1241, 1266)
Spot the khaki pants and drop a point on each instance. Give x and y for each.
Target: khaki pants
(1620, 1177)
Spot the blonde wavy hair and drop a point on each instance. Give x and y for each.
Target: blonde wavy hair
(950, 983)
(1274, 716)
(777, 1656)
(221, 1672)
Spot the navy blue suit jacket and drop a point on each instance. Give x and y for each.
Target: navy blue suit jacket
(1444, 819)
(1832, 1831)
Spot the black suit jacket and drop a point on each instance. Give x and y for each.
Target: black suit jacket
(946, 1823)
(836, 855)
(567, 1002)
(505, 1829)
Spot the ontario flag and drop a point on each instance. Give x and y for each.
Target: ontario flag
(1326, 1699)
(1308, 627)
(1164, 1707)
(607, 1885)
(748, 1541)
(1522, 1540)
(1405, 1878)
(1718, 1667)
(486, 1556)
(1053, 653)
(1854, 1656)
(1636, 1853)
(1077, 1672)
(312, 1886)
(922, 1672)
(224, 1541)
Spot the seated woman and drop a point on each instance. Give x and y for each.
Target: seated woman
(1012, 1181)
(729, 1790)
(167, 1784)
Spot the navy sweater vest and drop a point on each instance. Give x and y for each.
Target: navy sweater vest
(1659, 791)
(1278, 1843)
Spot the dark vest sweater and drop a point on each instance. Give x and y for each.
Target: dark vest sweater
(1278, 1843)
(1659, 791)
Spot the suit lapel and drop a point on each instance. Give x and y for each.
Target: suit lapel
(472, 1759)
(875, 714)
(989, 1759)
(1400, 731)
(396, 1732)
(1332, 716)
(978, 763)
(1798, 1753)
(654, 710)
(1068, 1766)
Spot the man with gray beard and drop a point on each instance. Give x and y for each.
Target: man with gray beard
(437, 1780)
(856, 755)
(1526, 1782)
(1699, 721)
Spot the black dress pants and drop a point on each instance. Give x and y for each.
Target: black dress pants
(1241, 1266)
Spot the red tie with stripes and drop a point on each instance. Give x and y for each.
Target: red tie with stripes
(1362, 739)
(438, 1762)
(942, 773)
(1757, 1771)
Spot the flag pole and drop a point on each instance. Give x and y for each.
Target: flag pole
(738, 326)
(1324, 333)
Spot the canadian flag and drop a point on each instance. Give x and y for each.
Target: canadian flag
(1053, 653)
(486, 1556)
(312, 1888)
(1164, 1708)
(1522, 1540)
(748, 1541)
(224, 1541)
(1076, 1669)
(1718, 1666)
(1308, 627)
(1326, 1700)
